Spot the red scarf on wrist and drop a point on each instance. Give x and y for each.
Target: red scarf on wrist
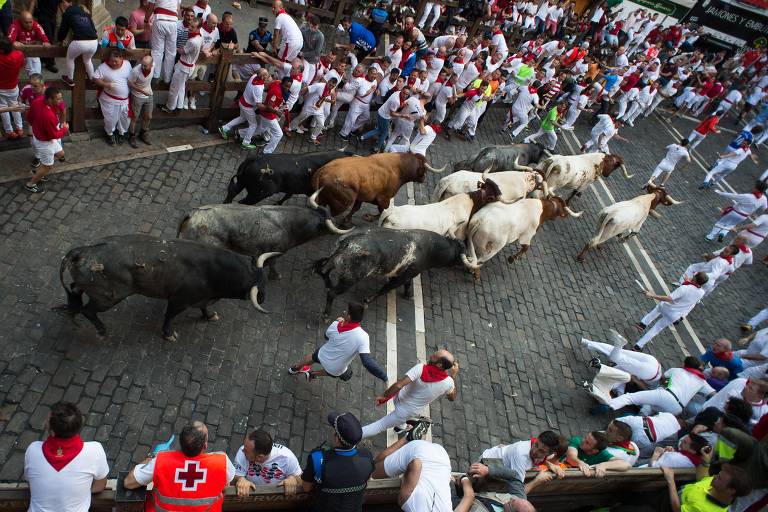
(347, 326)
(431, 373)
(60, 452)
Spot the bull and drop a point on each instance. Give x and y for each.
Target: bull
(577, 172)
(185, 273)
(514, 185)
(500, 224)
(397, 255)
(255, 230)
(448, 218)
(372, 179)
(624, 219)
(265, 175)
(513, 157)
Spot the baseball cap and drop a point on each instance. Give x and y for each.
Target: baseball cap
(263, 20)
(346, 426)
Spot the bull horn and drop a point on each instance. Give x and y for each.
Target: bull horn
(255, 300)
(673, 200)
(572, 213)
(264, 257)
(438, 171)
(468, 264)
(519, 167)
(538, 178)
(334, 229)
(486, 173)
(624, 170)
(312, 200)
(654, 214)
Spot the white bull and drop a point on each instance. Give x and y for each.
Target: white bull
(448, 218)
(514, 185)
(499, 224)
(577, 172)
(624, 219)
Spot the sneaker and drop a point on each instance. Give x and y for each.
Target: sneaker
(301, 130)
(294, 370)
(224, 133)
(111, 140)
(20, 132)
(132, 141)
(419, 428)
(260, 142)
(185, 106)
(708, 239)
(637, 348)
(193, 103)
(37, 188)
(746, 328)
(248, 146)
(617, 339)
(588, 387)
(720, 238)
(345, 138)
(68, 81)
(595, 363)
(36, 163)
(164, 108)
(63, 159)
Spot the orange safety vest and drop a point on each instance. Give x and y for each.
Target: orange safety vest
(113, 40)
(187, 484)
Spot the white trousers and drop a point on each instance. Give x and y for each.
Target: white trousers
(661, 322)
(271, 126)
(163, 44)
(759, 318)
(695, 139)
(571, 116)
(634, 111)
(434, 10)
(247, 115)
(727, 221)
(622, 106)
(396, 418)
(306, 113)
(177, 90)
(592, 143)
(643, 366)
(720, 171)
(654, 103)
(438, 115)
(521, 116)
(462, 115)
(661, 169)
(84, 50)
(358, 115)
(9, 97)
(32, 65)
(650, 401)
(115, 114)
(342, 98)
(549, 138)
(400, 129)
(474, 117)
(606, 379)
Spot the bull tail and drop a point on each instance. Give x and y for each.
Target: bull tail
(235, 185)
(604, 220)
(440, 189)
(183, 225)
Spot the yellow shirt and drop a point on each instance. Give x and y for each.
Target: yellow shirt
(694, 498)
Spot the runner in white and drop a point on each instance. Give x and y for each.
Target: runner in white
(644, 367)
(163, 35)
(675, 153)
(742, 206)
(577, 106)
(420, 142)
(359, 112)
(445, 93)
(527, 99)
(715, 267)
(402, 127)
(315, 96)
(649, 430)
(422, 384)
(604, 130)
(733, 97)
(752, 391)
(288, 40)
(112, 77)
(726, 164)
(252, 96)
(754, 322)
(754, 232)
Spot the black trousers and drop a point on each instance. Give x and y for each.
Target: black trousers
(48, 23)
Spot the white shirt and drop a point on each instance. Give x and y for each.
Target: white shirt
(541, 12)
(745, 203)
(758, 346)
(664, 424)
(604, 126)
(141, 81)
(281, 464)
(554, 12)
(623, 455)
(146, 472)
(392, 103)
(622, 60)
(500, 41)
(169, 5)
(467, 76)
(363, 86)
(552, 48)
(432, 492)
(684, 298)
(734, 96)
(418, 394)
(734, 389)
(526, 100)
(190, 52)
(395, 56)
(446, 41)
(290, 33)
(341, 347)
(209, 38)
(201, 13)
(675, 153)
(685, 385)
(421, 142)
(756, 95)
(739, 156)
(433, 68)
(515, 456)
(119, 78)
(254, 91)
(385, 86)
(598, 14)
(314, 92)
(68, 490)
(673, 460)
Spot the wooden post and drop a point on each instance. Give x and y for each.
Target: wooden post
(77, 123)
(473, 30)
(339, 12)
(220, 87)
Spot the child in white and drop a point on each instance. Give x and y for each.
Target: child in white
(675, 153)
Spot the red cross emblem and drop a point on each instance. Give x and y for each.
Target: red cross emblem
(190, 475)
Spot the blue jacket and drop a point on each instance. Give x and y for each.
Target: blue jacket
(361, 37)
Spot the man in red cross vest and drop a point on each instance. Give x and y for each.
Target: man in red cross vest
(188, 480)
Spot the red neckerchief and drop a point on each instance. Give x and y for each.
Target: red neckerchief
(411, 81)
(402, 101)
(691, 283)
(757, 194)
(296, 77)
(193, 34)
(145, 73)
(439, 80)
(693, 457)
(498, 31)
(431, 373)
(729, 259)
(347, 326)
(404, 58)
(60, 452)
(724, 356)
(624, 446)
(281, 11)
(436, 127)
(257, 81)
(696, 372)
(326, 91)
(744, 248)
(206, 27)
(458, 60)
(532, 90)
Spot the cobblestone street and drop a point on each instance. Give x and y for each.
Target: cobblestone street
(515, 332)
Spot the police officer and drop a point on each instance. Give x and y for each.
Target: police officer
(340, 475)
(187, 479)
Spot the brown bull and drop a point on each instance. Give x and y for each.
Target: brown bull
(373, 179)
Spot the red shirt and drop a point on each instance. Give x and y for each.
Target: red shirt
(273, 97)
(674, 34)
(10, 66)
(44, 121)
(749, 57)
(707, 125)
(630, 81)
(17, 32)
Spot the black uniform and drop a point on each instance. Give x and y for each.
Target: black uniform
(343, 477)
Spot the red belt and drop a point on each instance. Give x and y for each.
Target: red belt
(360, 100)
(185, 64)
(756, 234)
(658, 371)
(114, 97)
(245, 103)
(160, 10)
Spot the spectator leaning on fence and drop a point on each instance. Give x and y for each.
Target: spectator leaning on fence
(11, 62)
(63, 471)
(85, 40)
(186, 479)
(118, 36)
(141, 30)
(45, 12)
(25, 31)
(260, 461)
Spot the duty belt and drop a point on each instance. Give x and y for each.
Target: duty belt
(342, 490)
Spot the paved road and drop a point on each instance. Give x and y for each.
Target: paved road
(515, 332)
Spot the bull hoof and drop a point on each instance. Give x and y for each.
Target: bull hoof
(511, 259)
(369, 218)
(174, 336)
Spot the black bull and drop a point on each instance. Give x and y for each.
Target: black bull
(513, 157)
(265, 175)
(398, 255)
(186, 274)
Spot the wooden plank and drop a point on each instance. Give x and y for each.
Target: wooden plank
(217, 96)
(77, 109)
(191, 115)
(339, 12)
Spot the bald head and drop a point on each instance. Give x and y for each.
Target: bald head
(721, 345)
(442, 359)
(26, 20)
(276, 6)
(212, 20)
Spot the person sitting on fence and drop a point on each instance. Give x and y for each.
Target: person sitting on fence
(182, 71)
(25, 31)
(11, 62)
(140, 83)
(85, 40)
(63, 471)
(260, 461)
(118, 36)
(112, 77)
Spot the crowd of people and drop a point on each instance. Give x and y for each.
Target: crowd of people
(548, 66)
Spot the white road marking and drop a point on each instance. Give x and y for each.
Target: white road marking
(644, 256)
(175, 149)
(391, 354)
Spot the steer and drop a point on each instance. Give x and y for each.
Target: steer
(397, 255)
(500, 224)
(577, 172)
(265, 175)
(514, 185)
(254, 230)
(514, 157)
(624, 219)
(448, 218)
(186, 274)
(373, 179)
